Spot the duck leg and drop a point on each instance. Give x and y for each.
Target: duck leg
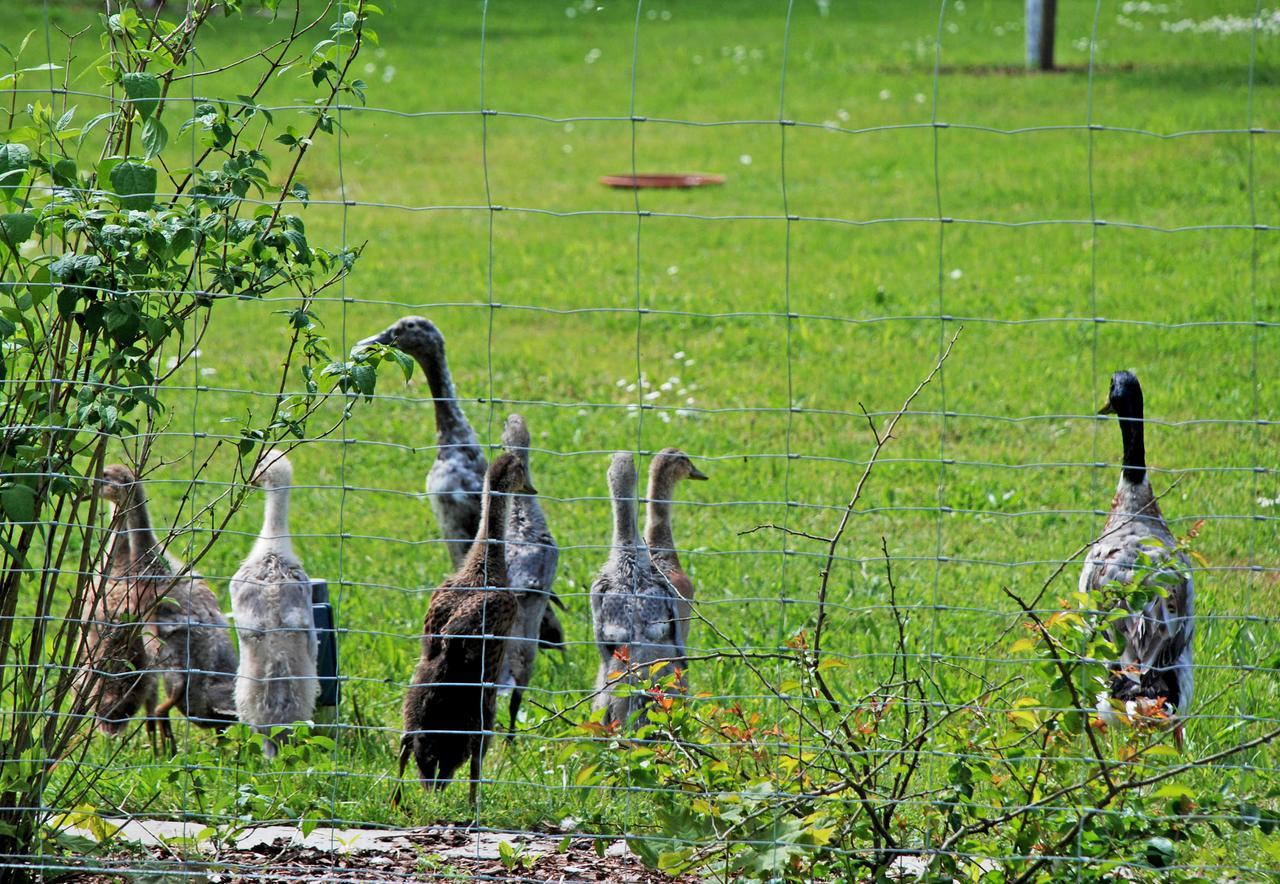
(150, 721)
(475, 773)
(406, 747)
(517, 694)
(162, 714)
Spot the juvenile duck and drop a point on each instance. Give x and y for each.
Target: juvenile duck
(276, 683)
(456, 480)
(633, 608)
(116, 676)
(669, 466)
(187, 637)
(450, 706)
(532, 556)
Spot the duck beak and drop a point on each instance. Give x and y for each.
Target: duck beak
(1107, 409)
(695, 473)
(529, 489)
(382, 337)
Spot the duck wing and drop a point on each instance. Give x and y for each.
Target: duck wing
(1139, 563)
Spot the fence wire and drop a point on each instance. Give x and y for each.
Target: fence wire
(807, 645)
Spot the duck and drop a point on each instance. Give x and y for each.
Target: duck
(115, 677)
(634, 611)
(188, 639)
(450, 706)
(532, 556)
(669, 466)
(276, 681)
(1137, 566)
(455, 481)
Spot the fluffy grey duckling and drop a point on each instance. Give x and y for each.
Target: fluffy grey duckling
(669, 466)
(532, 556)
(1153, 678)
(633, 608)
(449, 709)
(276, 683)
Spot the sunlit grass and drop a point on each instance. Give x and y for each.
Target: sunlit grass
(777, 331)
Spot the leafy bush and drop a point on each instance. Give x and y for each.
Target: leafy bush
(117, 241)
(998, 781)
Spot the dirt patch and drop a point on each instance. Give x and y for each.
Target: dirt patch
(363, 855)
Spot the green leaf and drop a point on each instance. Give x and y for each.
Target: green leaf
(134, 184)
(1159, 852)
(365, 378)
(404, 361)
(19, 503)
(154, 137)
(143, 90)
(15, 228)
(64, 172)
(14, 160)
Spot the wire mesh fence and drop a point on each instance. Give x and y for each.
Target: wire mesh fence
(882, 341)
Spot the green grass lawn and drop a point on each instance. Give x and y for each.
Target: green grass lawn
(774, 333)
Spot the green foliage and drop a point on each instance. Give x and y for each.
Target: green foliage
(105, 264)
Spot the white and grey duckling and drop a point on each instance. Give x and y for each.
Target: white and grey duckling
(1136, 565)
(668, 467)
(634, 611)
(532, 556)
(276, 684)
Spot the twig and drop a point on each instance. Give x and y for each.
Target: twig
(1066, 672)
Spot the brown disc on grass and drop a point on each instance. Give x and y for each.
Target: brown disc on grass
(662, 179)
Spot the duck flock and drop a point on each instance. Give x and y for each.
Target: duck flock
(150, 614)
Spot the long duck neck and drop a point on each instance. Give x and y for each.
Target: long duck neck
(1135, 452)
(275, 525)
(657, 521)
(487, 558)
(119, 554)
(137, 522)
(450, 420)
(625, 532)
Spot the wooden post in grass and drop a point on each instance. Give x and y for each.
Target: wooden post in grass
(1042, 18)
